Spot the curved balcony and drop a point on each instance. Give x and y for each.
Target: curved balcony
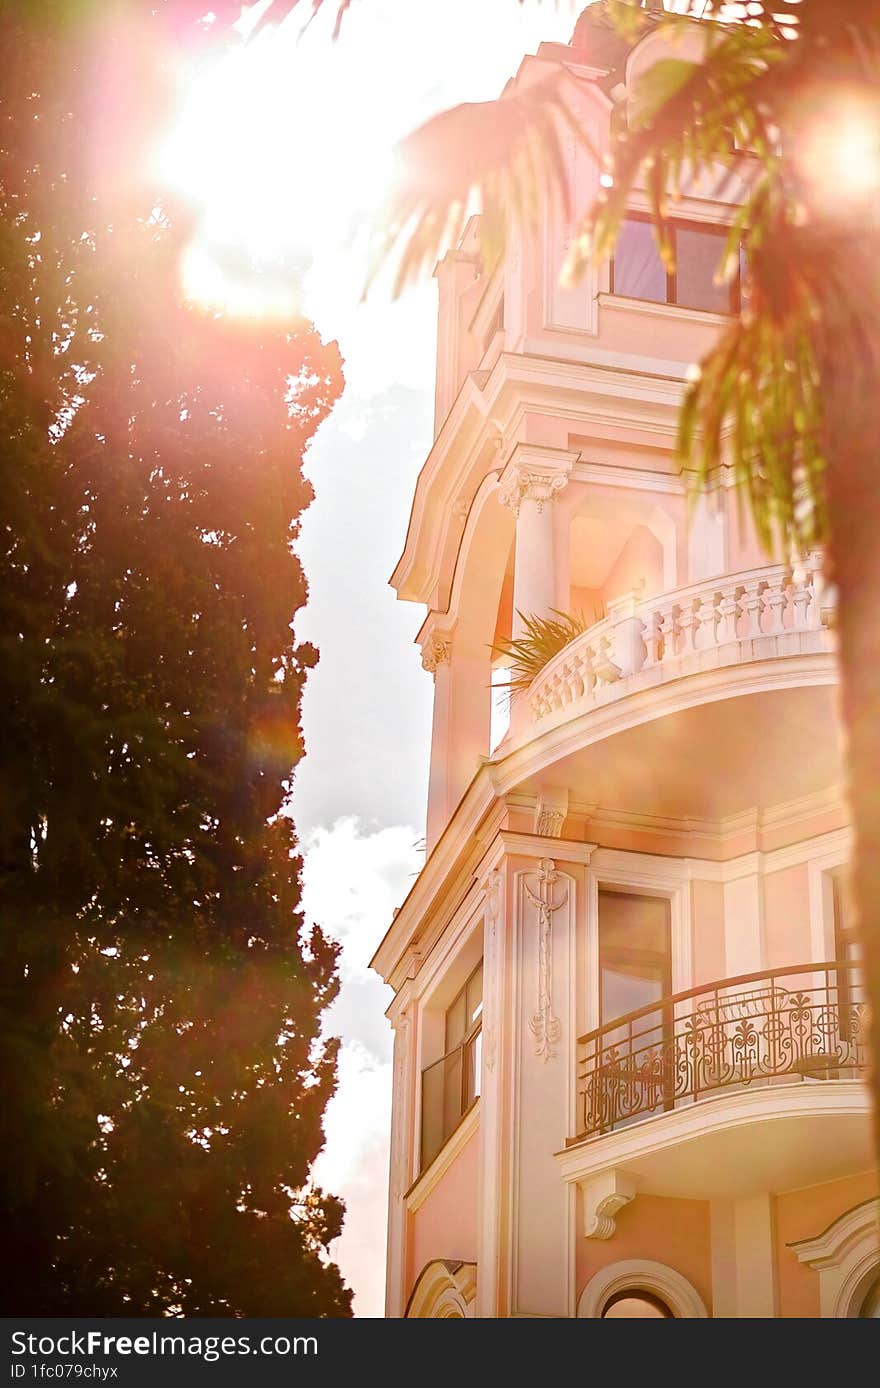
(806, 1021)
(756, 615)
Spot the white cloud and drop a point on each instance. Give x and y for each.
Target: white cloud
(353, 877)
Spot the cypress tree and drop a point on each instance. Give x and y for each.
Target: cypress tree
(163, 1076)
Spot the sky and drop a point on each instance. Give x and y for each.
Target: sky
(284, 145)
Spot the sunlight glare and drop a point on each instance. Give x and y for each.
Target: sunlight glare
(839, 152)
(277, 165)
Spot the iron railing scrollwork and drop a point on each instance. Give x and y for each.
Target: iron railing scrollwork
(807, 1020)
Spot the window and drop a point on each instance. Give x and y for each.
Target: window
(635, 973)
(635, 964)
(638, 272)
(846, 951)
(452, 1084)
(635, 1304)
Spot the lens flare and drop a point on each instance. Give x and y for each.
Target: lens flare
(838, 152)
(275, 165)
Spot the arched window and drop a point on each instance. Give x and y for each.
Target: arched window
(635, 1304)
(871, 1304)
(638, 1289)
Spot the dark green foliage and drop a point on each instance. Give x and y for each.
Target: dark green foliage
(163, 1082)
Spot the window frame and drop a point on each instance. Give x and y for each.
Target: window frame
(671, 301)
(465, 1046)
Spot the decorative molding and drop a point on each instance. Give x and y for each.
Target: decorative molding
(523, 484)
(543, 1024)
(641, 1274)
(536, 474)
(399, 1174)
(535, 846)
(604, 1197)
(846, 1256)
(493, 889)
(639, 1143)
(550, 812)
(436, 651)
(826, 1250)
(648, 308)
(548, 823)
(444, 1290)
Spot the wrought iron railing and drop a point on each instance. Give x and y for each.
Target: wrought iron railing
(807, 1020)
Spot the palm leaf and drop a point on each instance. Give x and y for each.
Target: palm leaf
(505, 156)
(542, 639)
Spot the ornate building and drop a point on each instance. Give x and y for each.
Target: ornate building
(629, 1026)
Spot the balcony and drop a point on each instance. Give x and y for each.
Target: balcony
(756, 615)
(807, 1021)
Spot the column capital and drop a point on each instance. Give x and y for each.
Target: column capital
(435, 641)
(436, 651)
(536, 474)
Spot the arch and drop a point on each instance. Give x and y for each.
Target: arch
(444, 1290)
(617, 513)
(641, 1275)
(846, 1256)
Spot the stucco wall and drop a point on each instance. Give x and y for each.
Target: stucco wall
(787, 916)
(445, 1226)
(707, 915)
(673, 1232)
(802, 1214)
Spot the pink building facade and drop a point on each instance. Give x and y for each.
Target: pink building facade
(629, 1025)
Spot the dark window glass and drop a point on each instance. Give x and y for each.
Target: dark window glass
(452, 1084)
(636, 1305)
(639, 273)
(697, 257)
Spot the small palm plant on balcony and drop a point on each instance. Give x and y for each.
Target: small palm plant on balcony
(542, 638)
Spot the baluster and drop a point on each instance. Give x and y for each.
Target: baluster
(816, 584)
(652, 638)
(801, 599)
(578, 688)
(687, 622)
(752, 605)
(775, 602)
(668, 625)
(606, 670)
(588, 671)
(728, 608)
(706, 620)
(567, 683)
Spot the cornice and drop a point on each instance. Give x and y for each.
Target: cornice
(484, 797)
(713, 1114)
(588, 395)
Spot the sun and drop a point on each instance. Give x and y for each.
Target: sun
(277, 164)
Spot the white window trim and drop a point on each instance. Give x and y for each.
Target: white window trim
(822, 868)
(641, 1274)
(846, 1256)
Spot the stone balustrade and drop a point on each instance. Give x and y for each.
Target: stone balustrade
(750, 616)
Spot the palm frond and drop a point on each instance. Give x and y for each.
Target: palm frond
(502, 156)
(542, 639)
